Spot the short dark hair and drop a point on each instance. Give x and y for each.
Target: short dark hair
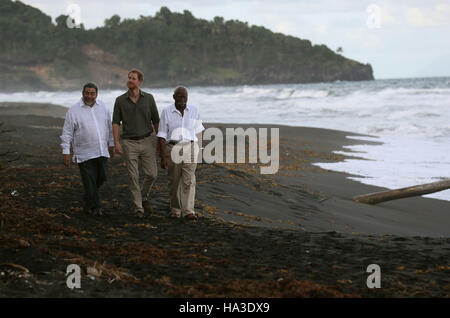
(90, 85)
(139, 73)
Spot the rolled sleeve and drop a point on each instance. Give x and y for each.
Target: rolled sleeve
(163, 129)
(154, 110)
(117, 114)
(198, 127)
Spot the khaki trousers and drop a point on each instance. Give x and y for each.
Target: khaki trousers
(144, 152)
(181, 183)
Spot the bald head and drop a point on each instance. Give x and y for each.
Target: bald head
(180, 96)
(180, 88)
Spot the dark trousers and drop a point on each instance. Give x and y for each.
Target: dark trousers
(93, 175)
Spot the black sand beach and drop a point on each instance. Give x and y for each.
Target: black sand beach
(293, 234)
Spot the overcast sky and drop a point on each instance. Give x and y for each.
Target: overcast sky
(398, 38)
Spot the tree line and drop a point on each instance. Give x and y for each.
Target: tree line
(169, 47)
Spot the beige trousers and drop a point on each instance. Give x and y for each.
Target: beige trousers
(181, 184)
(141, 152)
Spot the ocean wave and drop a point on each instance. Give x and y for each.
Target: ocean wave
(279, 92)
(414, 91)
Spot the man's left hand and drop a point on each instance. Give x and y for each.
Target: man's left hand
(111, 152)
(158, 147)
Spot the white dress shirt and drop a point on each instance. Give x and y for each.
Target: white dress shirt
(89, 130)
(175, 127)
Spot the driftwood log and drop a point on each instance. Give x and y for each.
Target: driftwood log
(374, 198)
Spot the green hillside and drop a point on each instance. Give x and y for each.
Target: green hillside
(170, 48)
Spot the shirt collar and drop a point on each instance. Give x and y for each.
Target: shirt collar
(140, 93)
(83, 104)
(174, 108)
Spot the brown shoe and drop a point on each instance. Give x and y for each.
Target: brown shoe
(97, 211)
(147, 207)
(139, 214)
(191, 216)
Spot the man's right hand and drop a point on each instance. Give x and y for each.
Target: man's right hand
(118, 148)
(66, 160)
(164, 164)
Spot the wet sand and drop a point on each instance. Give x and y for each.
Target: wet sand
(293, 234)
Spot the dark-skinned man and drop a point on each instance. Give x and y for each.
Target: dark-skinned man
(180, 128)
(137, 113)
(87, 127)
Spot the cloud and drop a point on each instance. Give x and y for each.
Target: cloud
(386, 15)
(364, 37)
(284, 27)
(372, 41)
(437, 16)
(322, 29)
(355, 34)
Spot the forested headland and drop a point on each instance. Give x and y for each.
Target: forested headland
(37, 53)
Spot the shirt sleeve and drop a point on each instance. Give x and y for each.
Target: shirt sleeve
(110, 133)
(198, 126)
(163, 129)
(117, 114)
(67, 134)
(154, 110)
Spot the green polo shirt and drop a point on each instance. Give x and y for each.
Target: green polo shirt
(136, 119)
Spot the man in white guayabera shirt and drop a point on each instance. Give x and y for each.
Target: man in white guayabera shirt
(178, 128)
(88, 128)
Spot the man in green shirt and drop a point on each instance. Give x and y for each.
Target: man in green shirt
(137, 113)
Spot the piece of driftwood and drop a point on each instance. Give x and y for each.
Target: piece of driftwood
(374, 198)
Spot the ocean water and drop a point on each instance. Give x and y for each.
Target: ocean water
(410, 116)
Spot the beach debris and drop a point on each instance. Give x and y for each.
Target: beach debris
(378, 197)
(23, 272)
(336, 267)
(111, 273)
(147, 226)
(26, 270)
(24, 243)
(14, 193)
(92, 271)
(164, 280)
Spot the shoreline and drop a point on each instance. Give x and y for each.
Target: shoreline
(322, 196)
(162, 86)
(293, 234)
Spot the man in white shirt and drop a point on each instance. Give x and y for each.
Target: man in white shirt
(178, 128)
(88, 128)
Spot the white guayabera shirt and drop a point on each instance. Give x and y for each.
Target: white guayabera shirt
(174, 127)
(89, 130)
